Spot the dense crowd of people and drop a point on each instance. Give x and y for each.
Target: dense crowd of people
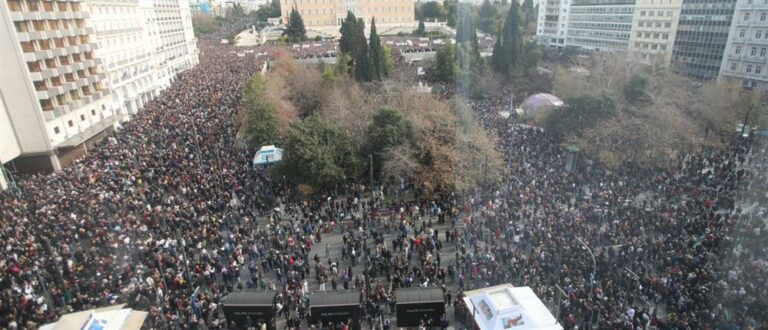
(162, 216)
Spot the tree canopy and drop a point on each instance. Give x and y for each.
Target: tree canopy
(295, 30)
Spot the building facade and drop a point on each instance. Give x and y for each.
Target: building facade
(653, 31)
(552, 23)
(168, 25)
(121, 34)
(600, 24)
(318, 13)
(9, 147)
(746, 52)
(53, 85)
(702, 34)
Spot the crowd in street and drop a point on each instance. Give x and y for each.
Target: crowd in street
(163, 216)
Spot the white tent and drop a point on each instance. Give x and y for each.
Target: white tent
(505, 307)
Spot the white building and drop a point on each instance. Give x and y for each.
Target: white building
(745, 57)
(600, 24)
(122, 35)
(653, 31)
(552, 23)
(171, 38)
(9, 148)
(53, 87)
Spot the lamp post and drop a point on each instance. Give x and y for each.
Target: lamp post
(594, 265)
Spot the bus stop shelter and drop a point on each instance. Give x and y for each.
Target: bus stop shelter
(416, 304)
(249, 307)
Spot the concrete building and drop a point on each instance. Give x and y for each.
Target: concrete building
(702, 33)
(552, 23)
(653, 31)
(326, 15)
(9, 148)
(53, 87)
(745, 57)
(600, 24)
(121, 35)
(168, 24)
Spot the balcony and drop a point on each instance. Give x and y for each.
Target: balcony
(31, 16)
(44, 54)
(55, 90)
(85, 48)
(59, 51)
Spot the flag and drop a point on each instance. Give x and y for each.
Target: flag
(195, 307)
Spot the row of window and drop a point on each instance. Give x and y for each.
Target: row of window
(746, 16)
(752, 52)
(660, 13)
(758, 34)
(650, 45)
(370, 10)
(656, 24)
(748, 68)
(652, 35)
(70, 123)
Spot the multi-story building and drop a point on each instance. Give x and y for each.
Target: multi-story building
(745, 57)
(702, 33)
(9, 147)
(171, 37)
(600, 24)
(128, 58)
(552, 25)
(653, 31)
(53, 86)
(318, 13)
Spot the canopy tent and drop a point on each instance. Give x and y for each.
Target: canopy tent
(505, 307)
(416, 304)
(107, 318)
(243, 307)
(337, 306)
(267, 155)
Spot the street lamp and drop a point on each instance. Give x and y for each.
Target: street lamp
(594, 265)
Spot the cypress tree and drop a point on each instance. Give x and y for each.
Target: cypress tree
(295, 30)
(376, 54)
(508, 51)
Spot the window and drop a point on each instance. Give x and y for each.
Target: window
(754, 84)
(753, 52)
(749, 68)
(758, 69)
(762, 17)
(758, 34)
(642, 13)
(746, 17)
(762, 52)
(667, 25)
(665, 36)
(733, 66)
(640, 24)
(56, 130)
(737, 51)
(70, 123)
(650, 13)
(93, 112)
(742, 33)
(82, 117)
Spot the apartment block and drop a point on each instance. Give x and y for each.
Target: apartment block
(53, 85)
(318, 13)
(702, 34)
(552, 25)
(653, 31)
(121, 34)
(745, 57)
(171, 38)
(600, 24)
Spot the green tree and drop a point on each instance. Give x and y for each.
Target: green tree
(261, 124)
(487, 10)
(389, 62)
(533, 55)
(529, 11)
(467, 49)
(421, 30)
(342, 64)
(353, 42)
(295, 30)
(203, 24)
(378, 70)
(579, 114)
(636, 90)
(445, 64)
(388, 130)
(319, 154)
(508, 51)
